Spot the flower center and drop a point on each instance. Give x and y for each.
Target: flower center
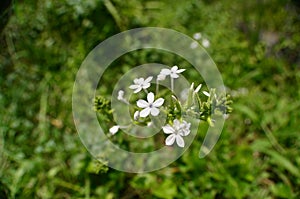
(150, 105)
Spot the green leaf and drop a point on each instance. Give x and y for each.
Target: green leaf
(167, 189)
(282, 190)
(284, 162)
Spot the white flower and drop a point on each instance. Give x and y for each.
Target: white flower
(173, 72)
(140, 83)
(197, 36)
(120, 95)
(113, 130)
(194, 45)
(206, 93)
(205, 43)
(151, 106)
(177, 131)
(136, 115)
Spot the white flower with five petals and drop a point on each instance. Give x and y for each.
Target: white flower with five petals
(140, 83)
(177, 131)
(150, 106)
(173, 72)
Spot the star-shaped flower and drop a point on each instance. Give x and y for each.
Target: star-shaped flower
(177, 131)
(140, 83)
(150, 106)
(173, 72)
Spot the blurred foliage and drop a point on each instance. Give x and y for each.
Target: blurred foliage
(256, 46)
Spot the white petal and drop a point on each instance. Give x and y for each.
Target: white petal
(142, 103)
(158, 102)
(165, 71)
(174, 68)
(179, 141)
(185, 132)
(198, 88)
(113, 130)
(206, 93)
(149, 79)
(170, 139)
(136, 115)
(138, 90)
(121, 93)
(180, 70)
(174, 75)
(145, 112)
(136, 80)
(140, 80)
(150, 97)
(154, 111)
(168, 129)
(192, 86)
(134, 86)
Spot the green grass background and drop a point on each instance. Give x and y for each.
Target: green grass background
(256, 46)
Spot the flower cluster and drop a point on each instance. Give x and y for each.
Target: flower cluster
(175, 127)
